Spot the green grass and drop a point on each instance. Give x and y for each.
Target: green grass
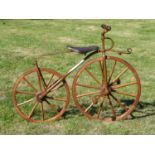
(22, 41)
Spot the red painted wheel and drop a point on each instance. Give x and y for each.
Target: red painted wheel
(113, 101)
(26, 96)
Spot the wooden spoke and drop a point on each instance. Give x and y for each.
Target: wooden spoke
(121, 73)
(87, 86)
(93, 76)
(126, 94)
(94, 101)
(56, 82)
(42, 111)
(123, 85)
(59, 99)
(112, 71)
(24, 92)
(112, 109)
(119, 102)
(27, 101)
(31, 112)
(56, 87)
(89, 107)
(50, 80)
(90, 93)
(29, 84)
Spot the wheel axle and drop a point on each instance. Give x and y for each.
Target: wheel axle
(39, 97)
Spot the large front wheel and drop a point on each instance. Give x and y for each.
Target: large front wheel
(28, 100)
(106, 89)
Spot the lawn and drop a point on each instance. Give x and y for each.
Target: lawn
(23, 41)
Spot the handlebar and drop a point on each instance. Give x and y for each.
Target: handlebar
(129, 51)
(106, 27)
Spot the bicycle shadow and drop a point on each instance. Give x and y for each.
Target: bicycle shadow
(71, 112)
(143, 109)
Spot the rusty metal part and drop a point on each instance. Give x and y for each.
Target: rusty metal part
(117, 108)
(129, 51)
(106, 27)
(112, 44)
(103, 50)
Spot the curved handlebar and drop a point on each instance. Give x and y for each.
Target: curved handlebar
(129, 50)
(106, 27)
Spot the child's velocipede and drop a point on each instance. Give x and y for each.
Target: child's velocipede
(105, 88)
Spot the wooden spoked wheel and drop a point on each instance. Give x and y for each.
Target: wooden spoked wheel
(111, 100)
(30, 86)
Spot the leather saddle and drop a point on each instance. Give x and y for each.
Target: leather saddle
(83, 50)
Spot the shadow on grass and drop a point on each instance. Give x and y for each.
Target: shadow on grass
(143, 109)
(71, 112)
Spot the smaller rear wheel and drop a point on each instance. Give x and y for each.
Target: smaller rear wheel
(28, 100)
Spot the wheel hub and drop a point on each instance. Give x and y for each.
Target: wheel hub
(39, 96)
(104, 91)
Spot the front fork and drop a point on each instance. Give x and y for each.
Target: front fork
(105, 71)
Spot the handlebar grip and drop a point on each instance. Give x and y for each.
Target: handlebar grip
(106, 27)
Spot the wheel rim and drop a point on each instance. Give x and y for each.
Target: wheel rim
(27, 99)
(114, 102)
